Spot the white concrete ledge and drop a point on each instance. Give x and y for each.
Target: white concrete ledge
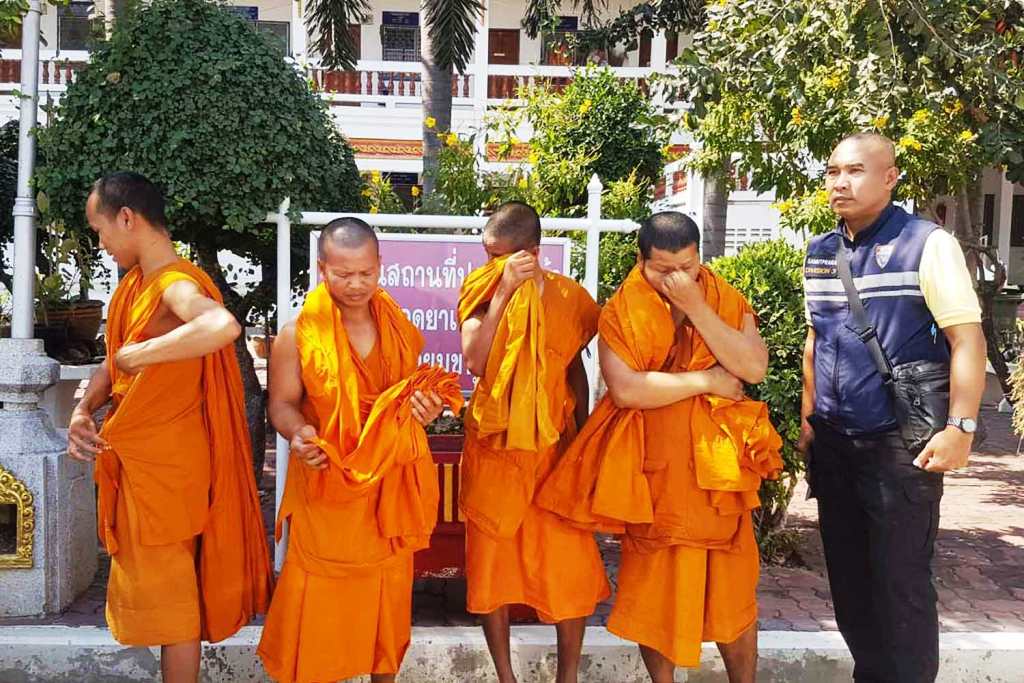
(58, 654)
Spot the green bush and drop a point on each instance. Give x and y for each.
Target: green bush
(769, 276)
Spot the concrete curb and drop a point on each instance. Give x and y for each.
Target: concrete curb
(61, 654)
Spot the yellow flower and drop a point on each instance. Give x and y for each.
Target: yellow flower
(834, 80)
(585, 107)
(374, 209)
(367, 192)
(523, 183)
(416, 190)
(796, 117)
(430, 122)
(920, 116)
(375, 176)
(910, 142)
(451, 139)
(967, 136)
(785, 206)
(533, 158)
(820, 197)
(513, 140)
(955, 108)
(880, 122)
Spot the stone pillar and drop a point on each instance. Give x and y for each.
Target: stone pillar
(56, 558)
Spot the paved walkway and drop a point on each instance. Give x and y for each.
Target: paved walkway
(979, 563)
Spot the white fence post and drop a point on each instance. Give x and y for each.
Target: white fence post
(284, 311)
(590, 270)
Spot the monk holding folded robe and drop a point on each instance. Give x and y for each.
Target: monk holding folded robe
(673, 457)
(178, 507)
(523, 329)
(362, 490)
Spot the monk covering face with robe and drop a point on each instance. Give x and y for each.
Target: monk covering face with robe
(362, 489)
(178, 507)
(673, 457)
(523, 329)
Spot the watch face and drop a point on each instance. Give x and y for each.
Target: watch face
(968, 425)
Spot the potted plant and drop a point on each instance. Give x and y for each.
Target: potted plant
(66, 320)
(446, 557)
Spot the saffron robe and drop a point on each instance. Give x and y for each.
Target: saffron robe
(178, 470)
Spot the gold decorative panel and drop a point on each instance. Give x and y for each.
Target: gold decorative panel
(18, 517)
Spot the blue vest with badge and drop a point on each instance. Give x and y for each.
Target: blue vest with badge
(885, 260)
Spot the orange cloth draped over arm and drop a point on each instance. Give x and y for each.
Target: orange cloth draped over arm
(511, 410)
(607, 461)
(233, 565)
(390, 447)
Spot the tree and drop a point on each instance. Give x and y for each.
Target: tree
(194, 98)
(779, 82)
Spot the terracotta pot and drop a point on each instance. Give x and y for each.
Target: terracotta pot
(85, 321)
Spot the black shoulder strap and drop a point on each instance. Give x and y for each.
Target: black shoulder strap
(861, 326)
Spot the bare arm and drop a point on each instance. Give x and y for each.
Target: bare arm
(580, 387)
(84, 442)
(637, 389)
(285, 402)
(807, 397)
(741, 352)
(208, 327)
(951, 448)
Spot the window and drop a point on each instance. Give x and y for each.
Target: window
(556, 46)
(279, 32)
(400, 36)
(988, 220)
(74, 26)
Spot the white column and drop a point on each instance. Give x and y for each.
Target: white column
(1003, 217)
(284, 314)
(298, 31)
(25, 203)
(659, 52)
(590, 270)
(481, 51)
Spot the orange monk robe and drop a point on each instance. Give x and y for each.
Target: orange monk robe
(179, 468)
(678, 481)
(519, 422)
(343, 604)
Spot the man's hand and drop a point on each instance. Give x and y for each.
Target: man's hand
(426, 407)
(519, 268)
(304, 448)
(126, 359)
(683, 292)
(806, 438)
(84, 442)
(721, 382)
(948, 450)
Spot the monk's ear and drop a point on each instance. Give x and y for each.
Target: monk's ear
(126, 218)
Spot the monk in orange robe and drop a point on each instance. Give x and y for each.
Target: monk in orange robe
(523, 329)
(178, 508)
(362, 491)
(673, 457)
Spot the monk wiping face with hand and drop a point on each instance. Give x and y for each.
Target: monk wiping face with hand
(523, 329)
(362, 493)
(178, 508)
(673, 456)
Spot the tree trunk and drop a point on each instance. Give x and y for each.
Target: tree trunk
(716, 212)
(437, 105)
(968, 230)
(255, 396)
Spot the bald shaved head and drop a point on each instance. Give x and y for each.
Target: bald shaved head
(346, 233)
(514, 226)
(875, 142)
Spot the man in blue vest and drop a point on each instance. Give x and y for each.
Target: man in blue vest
(878, 502)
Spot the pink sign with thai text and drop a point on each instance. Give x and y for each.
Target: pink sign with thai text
(424, 273)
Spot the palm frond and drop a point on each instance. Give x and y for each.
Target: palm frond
(452, 27)
(539, 14)
(330, 21)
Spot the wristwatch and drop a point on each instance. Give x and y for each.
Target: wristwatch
(964, 424)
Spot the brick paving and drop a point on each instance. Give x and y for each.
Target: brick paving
(979, 564)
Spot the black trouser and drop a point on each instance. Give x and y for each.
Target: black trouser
(878, 516)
